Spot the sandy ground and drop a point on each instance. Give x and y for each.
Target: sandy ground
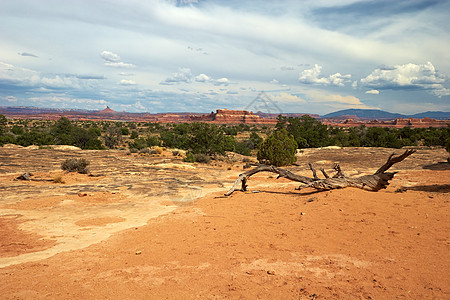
(134, 236)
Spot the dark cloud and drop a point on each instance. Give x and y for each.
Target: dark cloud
(386, 68)
(375, 8)
(186, 2)
(27, 54)
(287, 68)
(88, 77)
(361, 13)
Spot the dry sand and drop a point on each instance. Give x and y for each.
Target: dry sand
(151, 228)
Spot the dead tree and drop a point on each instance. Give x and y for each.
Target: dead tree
(375, 182)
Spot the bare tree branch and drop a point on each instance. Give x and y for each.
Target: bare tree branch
(379, 180)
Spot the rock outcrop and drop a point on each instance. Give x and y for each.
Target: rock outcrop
(225, 116)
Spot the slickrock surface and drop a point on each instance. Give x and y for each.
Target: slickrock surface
(155, 227)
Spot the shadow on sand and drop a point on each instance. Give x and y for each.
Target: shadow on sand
(437, 188)
(440, 166)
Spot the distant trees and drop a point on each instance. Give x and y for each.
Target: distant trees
(141, 143)
(3, 122)
(198, 137)
(65, 133)
(62, 131)
(34, 137)
(5, 138)
(246, 146)
(310, 133)
(307, 131)
(211, 139)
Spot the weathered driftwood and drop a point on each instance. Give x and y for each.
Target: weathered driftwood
(27, 176)
(377, 181)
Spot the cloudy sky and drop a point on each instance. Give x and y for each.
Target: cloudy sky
(197, 56)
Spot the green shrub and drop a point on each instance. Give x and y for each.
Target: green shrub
(197, 157)
(153, 141)
(17, 130)
(278, 149)
(243, 148)
(113, 137)
(138, 144)
(254, 140)
(79, 165)
(95, 131)
(124, 131)
(189, 158)
(202, 158)
(134, 135)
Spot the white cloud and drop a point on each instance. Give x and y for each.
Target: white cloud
(202, 78)
(138, 105)
(127, 82)
(232, 92)
(109, 56)
(286, 97)
(25, 77)
(17, 75)
(29, 84)
(343, 99)
(232, 32)
(312, 76)
(338, 79)
(60, 82)
(10, 99)
(274, 81)
(222, 81)
(183, 75)
(113, 60)
(119, 64)
(68, 102)
(335, 100)
(374, 92)
(408, 76)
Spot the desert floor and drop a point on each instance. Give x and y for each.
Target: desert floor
(156, 228)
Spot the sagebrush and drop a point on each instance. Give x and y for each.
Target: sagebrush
(79, 165)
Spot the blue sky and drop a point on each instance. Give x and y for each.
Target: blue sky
(197, 56)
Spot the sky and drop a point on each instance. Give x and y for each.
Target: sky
(307, 56)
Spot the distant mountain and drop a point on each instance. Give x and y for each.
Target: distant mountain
(381, 114)
(365, 114)
(438, 115)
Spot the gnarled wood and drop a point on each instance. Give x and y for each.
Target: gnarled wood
(379, 180)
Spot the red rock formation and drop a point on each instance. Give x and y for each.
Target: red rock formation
(107, 110)
(221, 116)
(225, 116)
